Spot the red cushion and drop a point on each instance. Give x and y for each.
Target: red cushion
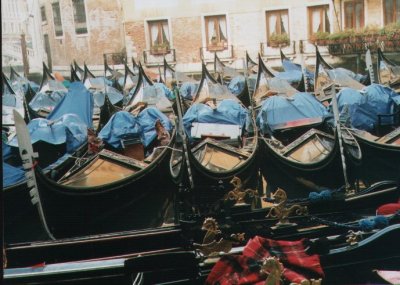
(388, 209)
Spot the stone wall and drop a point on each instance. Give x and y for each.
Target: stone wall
(105, 33)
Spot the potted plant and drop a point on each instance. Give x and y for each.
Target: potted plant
(161, 48)
(216, 45)
(320, 38)
(278, 40)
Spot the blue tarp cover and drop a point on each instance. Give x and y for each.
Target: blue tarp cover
(147, 119)
(21, 84)
(292, 77)
(78, 101)
(188, 90)
(356, 76)
(124, 125)
(46, 100)
(228, 112)
(99, 96)
(277, 110)
(12, 175)
(363, 107)
(170, 95)
(57, 132)
(289, 65)
(237, 84)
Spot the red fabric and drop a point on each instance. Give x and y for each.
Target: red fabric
(234, 269)
(245, 269)
(388, 209)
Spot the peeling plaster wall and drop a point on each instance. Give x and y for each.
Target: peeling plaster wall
(105, 33)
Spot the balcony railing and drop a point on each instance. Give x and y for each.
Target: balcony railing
(207, 54)
(361, 46)
(154, 58)
(115, 58)
(273, 51)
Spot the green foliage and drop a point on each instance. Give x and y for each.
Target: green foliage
(279, 38)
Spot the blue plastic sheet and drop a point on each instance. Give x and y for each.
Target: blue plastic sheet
(356, 76)
(363, 107)
(12, 175)
(55, 132)
(147, 119)
(78, 101)
(289, 65)
(46, 100)
(188, 90)
(292, 77)
(277, 110)
(170, 95)
(228, 112)
(122, 125)
(99, 96)
(237, 85)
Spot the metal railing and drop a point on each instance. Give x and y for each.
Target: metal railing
(273, 51)
(207, 54)
(151, 58)
(361, 46)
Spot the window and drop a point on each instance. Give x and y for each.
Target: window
(57, 19)
(318, 20)
(391, 11)
(216, 32)
(159, 37)
(354, 14)
(277, 27)
(43, 13)
(79, 16)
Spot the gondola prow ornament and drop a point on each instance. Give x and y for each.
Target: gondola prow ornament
(27, 156)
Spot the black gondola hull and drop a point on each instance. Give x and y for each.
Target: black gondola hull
(379, 162)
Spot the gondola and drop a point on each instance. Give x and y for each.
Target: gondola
(113, 189)
(49, 95)
(135, 66)
(232, 79)
(129, 83)
(322, 81)
(79, 71)
(388, 72)
(381, 155)
(73, 76)
(289, 66)
(219, 150)
(341, 260)
(56, 140)
(301, 153)
(10, 100)
(338, 255)
(112, 75)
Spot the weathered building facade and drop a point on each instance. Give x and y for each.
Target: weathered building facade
(81, 30)
(187, 31)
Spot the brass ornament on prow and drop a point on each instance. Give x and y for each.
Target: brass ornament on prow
(210, 245)
(281, 212)
(273, 268)
(238, 194)
(353, 237)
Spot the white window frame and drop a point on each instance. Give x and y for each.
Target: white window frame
(147, 31)
(203, 27)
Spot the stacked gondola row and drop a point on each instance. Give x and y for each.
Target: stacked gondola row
(122, 181)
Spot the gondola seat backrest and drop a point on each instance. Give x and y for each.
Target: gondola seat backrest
(215, 131)
(133, 148)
